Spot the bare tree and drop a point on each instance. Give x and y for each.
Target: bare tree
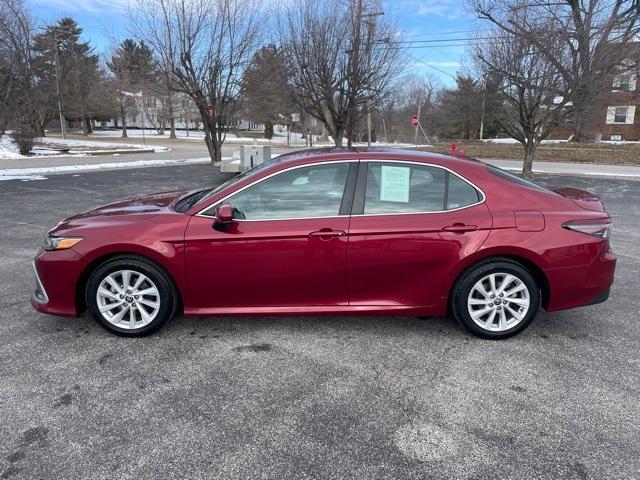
(533, 89)
(592, 39)
(402, 101)
(206, 44)
(17, 101)
(338, 67)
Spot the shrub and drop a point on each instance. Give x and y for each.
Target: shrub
(24, 140)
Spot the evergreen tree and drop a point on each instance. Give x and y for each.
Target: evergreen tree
(265, 95)
(134, 69)
(80, 79)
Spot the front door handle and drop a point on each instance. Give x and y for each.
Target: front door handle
(460, 228)
(327, 234)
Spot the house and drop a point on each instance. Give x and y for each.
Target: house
(615, 116)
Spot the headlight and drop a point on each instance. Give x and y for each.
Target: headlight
(60, 243)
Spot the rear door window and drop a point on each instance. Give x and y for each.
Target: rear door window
(397, 187)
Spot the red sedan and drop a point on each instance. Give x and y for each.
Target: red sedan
(335, 232)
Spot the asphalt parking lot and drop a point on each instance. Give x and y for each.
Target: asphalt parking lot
(319, 398)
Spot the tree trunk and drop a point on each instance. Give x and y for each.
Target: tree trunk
(583, 99)
(527, 166)
(172, 126)
(338, 136)
(172, 120)
(123, 116)
(268, 129)
(208, 140)
(581, 125)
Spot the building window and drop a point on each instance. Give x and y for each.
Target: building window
(151, 102)
(624, 82)
(620, 115)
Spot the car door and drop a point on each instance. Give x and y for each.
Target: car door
(411, 224)
(286, 247)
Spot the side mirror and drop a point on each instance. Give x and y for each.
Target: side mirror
(224, 218)
(224, 213)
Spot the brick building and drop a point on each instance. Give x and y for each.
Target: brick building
(617, 116)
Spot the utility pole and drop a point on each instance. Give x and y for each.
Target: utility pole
(384, 127)
(368, 125)
(354, 71)
(415, 140)
(56, 60)
(484, 93)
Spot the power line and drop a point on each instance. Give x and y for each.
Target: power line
(440, 40)
(432, 34)
(435, 68)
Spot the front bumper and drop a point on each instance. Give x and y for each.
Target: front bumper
(57, 274)
(572, 287)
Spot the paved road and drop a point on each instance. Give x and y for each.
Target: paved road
(180, 150)
(314, 397)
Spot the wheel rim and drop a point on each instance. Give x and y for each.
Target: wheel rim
(498, 302)
(128, 299)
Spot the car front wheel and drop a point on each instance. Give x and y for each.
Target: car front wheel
(496, 300)
(130, 296)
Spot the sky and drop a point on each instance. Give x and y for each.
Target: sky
(437, 28)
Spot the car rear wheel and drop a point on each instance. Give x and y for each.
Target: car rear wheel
(130, 296)
(496, 300)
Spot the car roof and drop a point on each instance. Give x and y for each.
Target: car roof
(364, 153)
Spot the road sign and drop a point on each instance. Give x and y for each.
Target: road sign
(414, 121)
(295, 117)
(210, 109)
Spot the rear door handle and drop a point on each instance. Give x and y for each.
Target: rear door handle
(327, 234)
(460, 228)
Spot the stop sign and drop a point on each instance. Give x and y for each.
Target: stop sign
(414, 121)
(210, 109)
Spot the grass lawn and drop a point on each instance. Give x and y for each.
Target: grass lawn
(606, 153)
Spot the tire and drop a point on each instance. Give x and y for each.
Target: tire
(512, 307)
(151, 296)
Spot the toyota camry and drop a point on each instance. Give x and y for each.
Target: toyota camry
(335, 232)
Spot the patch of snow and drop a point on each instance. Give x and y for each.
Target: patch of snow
(97, 144)
(8, 148)
(33, 171)
(22, 178)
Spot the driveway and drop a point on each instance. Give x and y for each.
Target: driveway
(322, 398)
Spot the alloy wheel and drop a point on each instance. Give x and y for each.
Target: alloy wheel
(128, 299)
(498, 302)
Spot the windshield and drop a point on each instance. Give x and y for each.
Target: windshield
(238, 178)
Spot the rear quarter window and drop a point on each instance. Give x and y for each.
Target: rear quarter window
(460, 193)
(498, 172)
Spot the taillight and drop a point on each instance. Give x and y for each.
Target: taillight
(596, 228)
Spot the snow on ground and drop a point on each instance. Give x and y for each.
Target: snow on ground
(22, 178)
(32, 172)
(78, 144)
(8, 148)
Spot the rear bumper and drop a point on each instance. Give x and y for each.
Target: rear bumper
(57, 275)
(579, 286)
(601, 297)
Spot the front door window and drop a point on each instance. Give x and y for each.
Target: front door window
(306, 192)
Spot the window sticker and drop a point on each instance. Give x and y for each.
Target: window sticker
(394, 184)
